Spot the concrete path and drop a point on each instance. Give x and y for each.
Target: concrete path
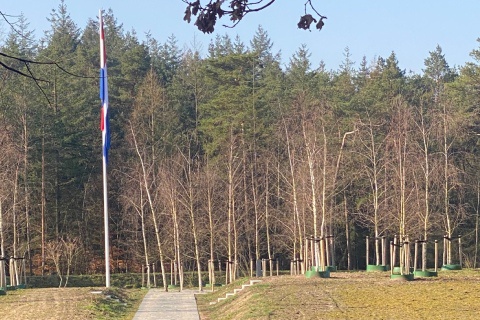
(173, 305)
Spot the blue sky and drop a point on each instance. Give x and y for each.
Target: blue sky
(371, 28)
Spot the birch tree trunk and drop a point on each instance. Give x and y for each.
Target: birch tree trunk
(373, 165)
(209, 188)
(267, 223)
(332, 205)
(190, 204)
(176, 235)
(310, 152)
(446, 186)
(141, 212)
(152, 209)
(296, 215)
(14, 214)
(26, 190)
(43, 204)
(231, 217)
(425, 146)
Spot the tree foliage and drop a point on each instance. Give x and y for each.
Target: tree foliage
(228, 157)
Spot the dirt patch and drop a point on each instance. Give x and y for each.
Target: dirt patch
(49, 303)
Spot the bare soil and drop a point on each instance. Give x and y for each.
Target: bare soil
(48, 303)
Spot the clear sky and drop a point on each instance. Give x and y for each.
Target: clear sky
(371, 28)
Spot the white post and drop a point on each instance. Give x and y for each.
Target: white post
(105, 217)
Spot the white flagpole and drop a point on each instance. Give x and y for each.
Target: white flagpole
(104, 159)
(105, 218)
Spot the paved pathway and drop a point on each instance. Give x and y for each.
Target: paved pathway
(173, 305)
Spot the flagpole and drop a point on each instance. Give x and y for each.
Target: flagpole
(105, 217)
(105, 144)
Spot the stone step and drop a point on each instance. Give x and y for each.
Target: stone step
(235, 291)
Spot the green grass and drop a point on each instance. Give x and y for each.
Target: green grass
(116, 303)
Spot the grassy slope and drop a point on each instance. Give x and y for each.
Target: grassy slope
(69, 303)
(359, 295)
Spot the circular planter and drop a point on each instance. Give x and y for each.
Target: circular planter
(3, 292)
(374, 268)
(402, 277)
(21, 286)
(448, 267)
(425, 274)
(317, 274)
(397, 270)
(331, 268)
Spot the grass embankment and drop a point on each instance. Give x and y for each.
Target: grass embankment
(71, 303)
(351, 295)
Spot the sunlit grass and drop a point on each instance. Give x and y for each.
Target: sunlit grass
(116, 303)
(352, 295)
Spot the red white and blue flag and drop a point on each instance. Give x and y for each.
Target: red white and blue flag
(104, 125)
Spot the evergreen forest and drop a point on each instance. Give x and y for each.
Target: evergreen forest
(228, 155)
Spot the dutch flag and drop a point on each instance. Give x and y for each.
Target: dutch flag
(104, 125)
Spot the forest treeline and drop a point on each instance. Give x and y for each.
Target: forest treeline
(227, 156)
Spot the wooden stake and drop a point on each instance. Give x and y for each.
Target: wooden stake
(394, 255)
(460, 250)
(154, 277)
(368, 250)
(251, 268)
(444, 250)
(424, 255)
(392, 259)
(384, 251)
(415, 256)
(407, 256)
